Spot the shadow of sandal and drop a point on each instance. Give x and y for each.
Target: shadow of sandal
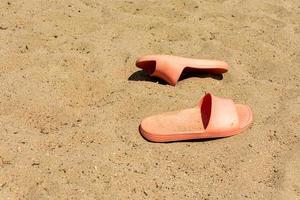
(187, 73)
(190, 72)
(189, 141)
(143, 76)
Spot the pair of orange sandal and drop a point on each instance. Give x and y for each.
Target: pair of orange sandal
(214, 117)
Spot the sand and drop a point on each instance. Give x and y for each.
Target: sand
(71, 99)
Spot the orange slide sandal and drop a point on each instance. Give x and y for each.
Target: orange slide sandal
(169, 68)
(214, 117)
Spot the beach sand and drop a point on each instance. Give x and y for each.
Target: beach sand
(71, 99)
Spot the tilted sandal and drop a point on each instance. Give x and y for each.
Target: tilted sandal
(169, 68)
(214, 117)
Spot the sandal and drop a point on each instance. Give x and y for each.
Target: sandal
(169, 68)
(214, 117)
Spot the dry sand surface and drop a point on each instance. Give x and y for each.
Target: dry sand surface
(71, 99)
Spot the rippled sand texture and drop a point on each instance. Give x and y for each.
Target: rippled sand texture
(71, 99)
